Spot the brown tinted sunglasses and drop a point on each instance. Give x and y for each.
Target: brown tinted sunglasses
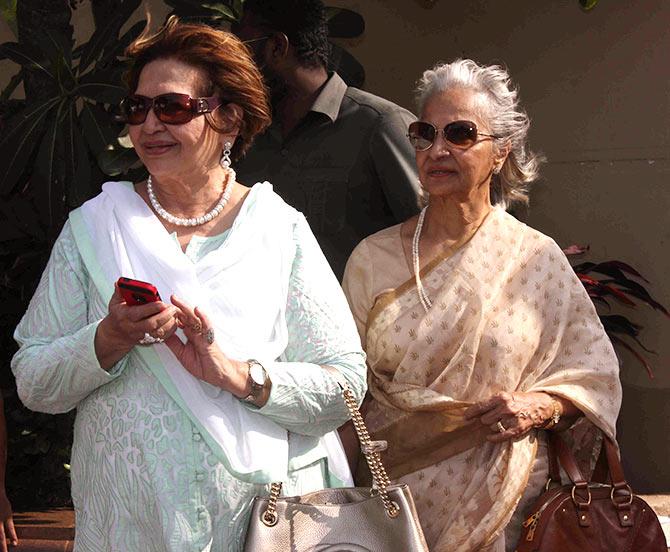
(461, 134)
(172, 109)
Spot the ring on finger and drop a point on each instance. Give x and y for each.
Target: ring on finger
(160, 333)
(149, 339)
(209, 336)
(523, 414)
(197, 327)
(501, 428)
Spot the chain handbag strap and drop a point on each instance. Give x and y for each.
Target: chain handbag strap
(370, 450)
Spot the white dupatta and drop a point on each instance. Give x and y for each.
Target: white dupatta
(242, 286)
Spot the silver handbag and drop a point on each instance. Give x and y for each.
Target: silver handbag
(357, 519)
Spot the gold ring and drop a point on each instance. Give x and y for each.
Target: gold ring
(160, 332)
(523, 414)
(501, 428)
(197, 327)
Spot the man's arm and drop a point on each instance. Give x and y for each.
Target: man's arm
(394, 163)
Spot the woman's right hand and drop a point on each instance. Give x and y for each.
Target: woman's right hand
(125, 325)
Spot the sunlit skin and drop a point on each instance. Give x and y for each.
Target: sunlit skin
(183, 161)
(447, 172)
(458, 181)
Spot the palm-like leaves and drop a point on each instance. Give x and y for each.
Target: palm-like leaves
(612, 281)
(50, 143)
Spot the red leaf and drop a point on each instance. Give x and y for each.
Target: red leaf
(587, 279)
(619, 294)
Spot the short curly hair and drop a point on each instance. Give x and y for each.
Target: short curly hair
(303, 22)
(230, 71)
(506, 120)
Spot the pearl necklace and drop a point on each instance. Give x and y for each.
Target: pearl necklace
(197, 221)
(426, 303)
(423, 296)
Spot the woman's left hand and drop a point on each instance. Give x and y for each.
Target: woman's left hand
(512, 415)
(201, 356)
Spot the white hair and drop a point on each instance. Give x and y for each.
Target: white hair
(506, 120)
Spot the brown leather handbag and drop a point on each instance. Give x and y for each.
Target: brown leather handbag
(588, 516)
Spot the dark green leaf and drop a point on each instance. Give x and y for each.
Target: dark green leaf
(8, 13)
(24, 56)
(220, 9)
(104, 36)
(102, 86)
(20, 140)
(79, 184)
(117, 48)
(55, 45)
(13, 83)
(118, 160)
(98, 127)
(19, 220)
(47, 179)
(211, 13)
(26, 264)
(588, 4)
(238, 7)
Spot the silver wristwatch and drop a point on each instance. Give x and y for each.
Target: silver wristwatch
(259, 384)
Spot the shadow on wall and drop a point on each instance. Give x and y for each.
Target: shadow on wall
(645, 453)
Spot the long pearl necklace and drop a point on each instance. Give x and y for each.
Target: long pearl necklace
(426, 303)
(197, 221)
(423, 296)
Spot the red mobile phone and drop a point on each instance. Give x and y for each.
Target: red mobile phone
(137, 292)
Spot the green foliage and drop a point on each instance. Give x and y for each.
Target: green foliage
(212, 13)
(57, 146)
(8, 13)
(588, 4)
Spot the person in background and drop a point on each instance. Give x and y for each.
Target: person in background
(479, 336)
(335, 153)
(7, 531)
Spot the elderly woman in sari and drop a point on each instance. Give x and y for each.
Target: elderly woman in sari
(478, 334)
(188, 408)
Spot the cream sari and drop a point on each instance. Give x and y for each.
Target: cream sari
(508, 314)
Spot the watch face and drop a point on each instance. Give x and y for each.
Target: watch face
(256, 373)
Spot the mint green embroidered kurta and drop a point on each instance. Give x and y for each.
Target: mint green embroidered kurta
(143, 477)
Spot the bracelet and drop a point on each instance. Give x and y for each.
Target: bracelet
(555, 415)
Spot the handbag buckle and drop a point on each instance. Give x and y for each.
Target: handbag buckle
(630, 495)
(574, 498)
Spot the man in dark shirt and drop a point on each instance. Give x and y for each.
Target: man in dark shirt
(336, 153)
